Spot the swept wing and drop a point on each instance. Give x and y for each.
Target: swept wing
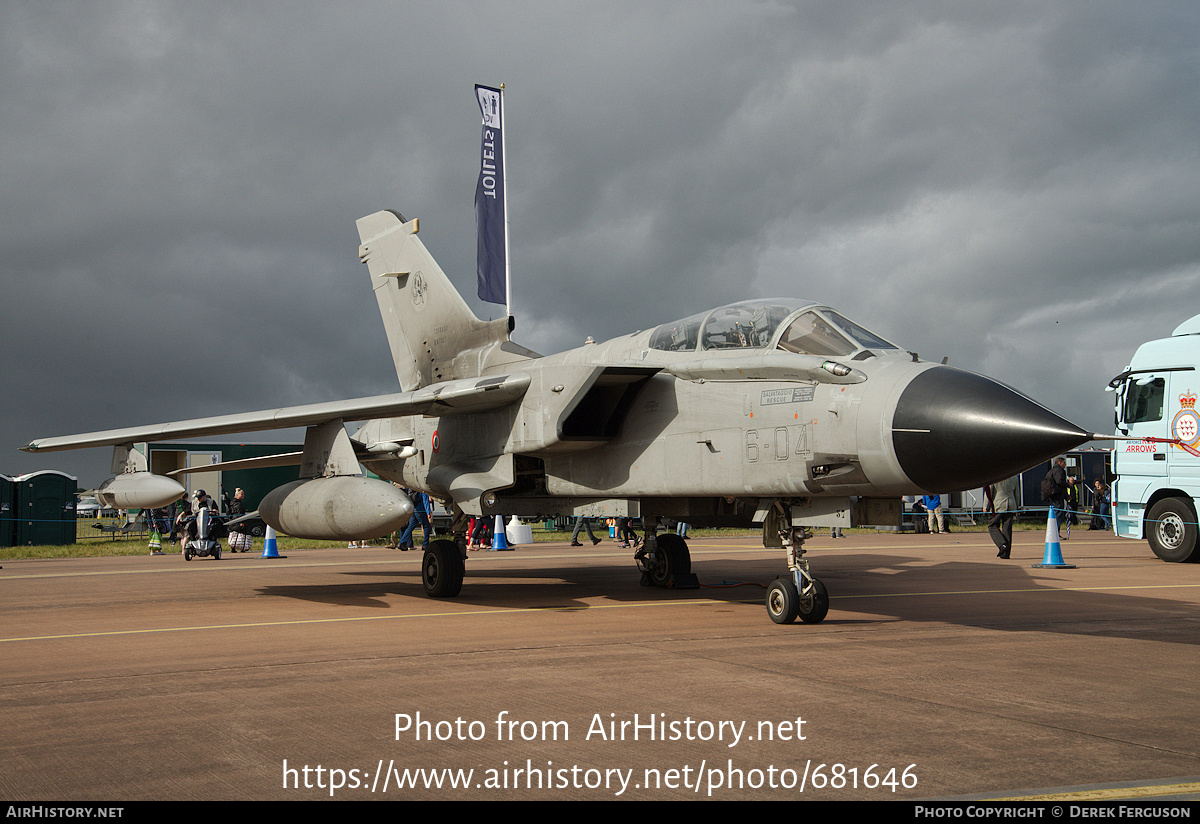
(448, 398)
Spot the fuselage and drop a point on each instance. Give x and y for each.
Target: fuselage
(761, 399)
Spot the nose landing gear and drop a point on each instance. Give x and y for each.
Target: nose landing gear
(785, 602)
(799, 595)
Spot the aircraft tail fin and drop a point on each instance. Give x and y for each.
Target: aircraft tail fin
(434, 336)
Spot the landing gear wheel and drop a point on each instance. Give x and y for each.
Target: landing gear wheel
(785, 604)
(783, 601)
(187, 554)
(673, 559)
(815, 606)
(442, 569)
(1171, 530)
(217, 552)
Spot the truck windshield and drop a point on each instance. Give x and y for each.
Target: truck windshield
(1144, 401)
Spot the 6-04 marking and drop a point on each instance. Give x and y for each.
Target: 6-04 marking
(775, 444)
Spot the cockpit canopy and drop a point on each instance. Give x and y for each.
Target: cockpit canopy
(784, 323)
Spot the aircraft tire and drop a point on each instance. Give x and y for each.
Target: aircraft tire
(783, 601)
(442, 569)
(674, 559)
(1172, 532)
(187, 553)
(217, 552)
(815, 607)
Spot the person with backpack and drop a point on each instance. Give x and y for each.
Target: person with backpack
(1054, 492)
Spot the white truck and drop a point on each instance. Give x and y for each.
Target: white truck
(1158, 476)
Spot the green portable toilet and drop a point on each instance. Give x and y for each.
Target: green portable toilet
(8, 515)
(45, 508)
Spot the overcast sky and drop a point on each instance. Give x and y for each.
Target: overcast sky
(1013, 185)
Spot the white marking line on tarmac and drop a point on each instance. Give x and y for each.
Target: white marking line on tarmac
(462, 613)
(414, 558)
(1113, 794)
(1045, 590)
(203, 565)
(519, 610)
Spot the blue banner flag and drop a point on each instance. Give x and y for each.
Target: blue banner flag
(491, 252)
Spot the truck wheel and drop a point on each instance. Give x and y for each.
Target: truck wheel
(1171, 530)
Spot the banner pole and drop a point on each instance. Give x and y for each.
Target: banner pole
(507, 248)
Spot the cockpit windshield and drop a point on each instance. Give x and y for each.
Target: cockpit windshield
(752, 324)
(866, 339)
(828, 334)
(811, 334)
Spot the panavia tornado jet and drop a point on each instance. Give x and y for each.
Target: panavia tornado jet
(780, 413)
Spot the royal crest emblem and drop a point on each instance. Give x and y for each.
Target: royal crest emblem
(1185, 427)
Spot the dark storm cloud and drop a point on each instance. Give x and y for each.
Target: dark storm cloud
(1010, 185)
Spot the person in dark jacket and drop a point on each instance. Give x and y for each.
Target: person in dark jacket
(1057, 476)
(238, 541)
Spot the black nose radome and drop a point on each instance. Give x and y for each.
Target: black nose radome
(956, 430)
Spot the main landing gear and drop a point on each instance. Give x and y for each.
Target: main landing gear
(799, 595)
(664, 560)
(442, 569)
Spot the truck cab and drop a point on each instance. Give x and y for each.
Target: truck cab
(1158, 483)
